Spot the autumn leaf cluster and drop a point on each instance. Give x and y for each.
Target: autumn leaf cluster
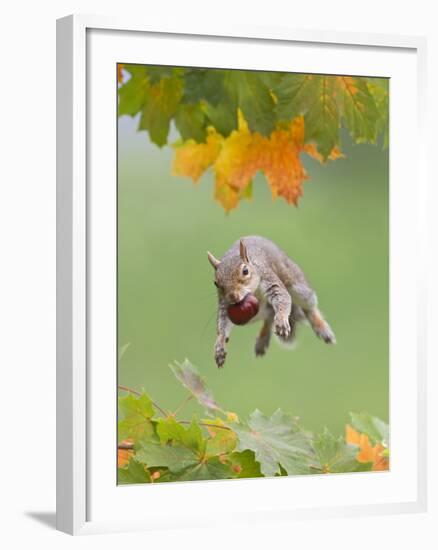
(155, 446)
(240, 122)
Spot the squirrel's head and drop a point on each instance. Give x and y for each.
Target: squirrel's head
(235, 276)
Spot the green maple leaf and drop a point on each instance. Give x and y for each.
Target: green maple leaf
(326, 101)
(183, 451)
(253, 97)
(276, 440)
(134, 472)
(294, 93)
(358, 108)
(212, 468)
(168, 429)
(132, 94)
(335, 456)
(157, 72)
(245, 464)
(203, 84)
(206, 89)
(222, 116)
(136, 413)
(379, 89)
(190, 121)
(160, 105)
(373, 427)
(190, 378)
(314, 97)
(185, 464)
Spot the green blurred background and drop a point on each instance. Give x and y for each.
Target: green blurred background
(167, 301)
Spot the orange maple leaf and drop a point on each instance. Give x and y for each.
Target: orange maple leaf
(367, 453)
(283, 168)
(124, 453)
(237, 158)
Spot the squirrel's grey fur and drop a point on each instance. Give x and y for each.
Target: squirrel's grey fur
(257, 265)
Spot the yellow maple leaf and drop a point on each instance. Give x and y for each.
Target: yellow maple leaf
(367, 452)
(240, 158)
(192, 159)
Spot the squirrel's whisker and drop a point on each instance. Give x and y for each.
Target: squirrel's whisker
(206, 325)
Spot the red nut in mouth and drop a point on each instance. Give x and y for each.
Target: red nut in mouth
(242, 312)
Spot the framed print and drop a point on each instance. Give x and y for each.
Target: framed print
(240, 275)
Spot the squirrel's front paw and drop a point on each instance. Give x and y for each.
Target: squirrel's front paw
(220, 354)
(282, 326)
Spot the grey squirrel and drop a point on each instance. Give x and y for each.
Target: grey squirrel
(255, 265)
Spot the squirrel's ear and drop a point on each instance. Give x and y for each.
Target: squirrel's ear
(214, 261)
(243, 252)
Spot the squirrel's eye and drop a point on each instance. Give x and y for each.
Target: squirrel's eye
(245, 271)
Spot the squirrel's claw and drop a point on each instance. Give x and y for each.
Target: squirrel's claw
(220, 355)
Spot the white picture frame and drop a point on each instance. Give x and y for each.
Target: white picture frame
(81, 487)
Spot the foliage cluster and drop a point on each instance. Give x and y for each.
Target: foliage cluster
(241, 122)
(156, 446)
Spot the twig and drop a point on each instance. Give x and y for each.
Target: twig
(186, 400)
(130, 390)
(205, 424)
(135, 392)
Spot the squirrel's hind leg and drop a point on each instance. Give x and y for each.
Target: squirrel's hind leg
(320, 326)
(264, 337)
(306, 298)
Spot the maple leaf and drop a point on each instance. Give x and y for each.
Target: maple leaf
(240, 157)
(276, 441)
(184, 454)
(190, 121)
(358, 108)
(222, 439)
(135, 417)
(379, 89)
(132, 93)
(253, 98)
(283, 168)
(124, 452)
(334, 455)
(190, 378)
(133, 472)
(314, 97)
(161, 102)
(169, 429)
(376, 429)
(374, 455)
(192, 159)
(244, 464)
(326, 101)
